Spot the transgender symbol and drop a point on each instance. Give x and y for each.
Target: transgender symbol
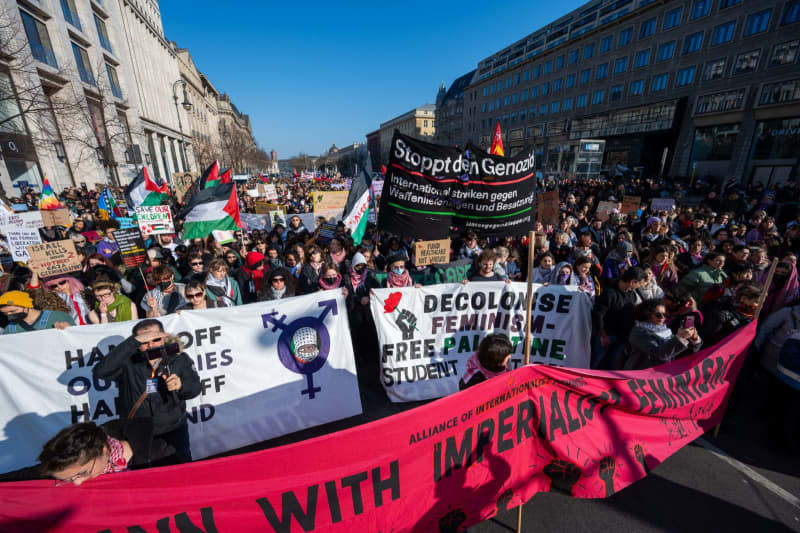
(304, 344)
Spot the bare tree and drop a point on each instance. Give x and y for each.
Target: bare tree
(237, 145)
(205, 151)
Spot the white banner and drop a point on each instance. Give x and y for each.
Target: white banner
(254, 388)
(426, 335)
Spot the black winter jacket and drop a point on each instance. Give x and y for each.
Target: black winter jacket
(130, 370)
(613, 311)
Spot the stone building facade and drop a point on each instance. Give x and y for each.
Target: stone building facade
(418, 123)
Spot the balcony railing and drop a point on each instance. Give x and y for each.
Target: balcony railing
(45, 55)
(70, 16)
(86, 76)
(116, 90)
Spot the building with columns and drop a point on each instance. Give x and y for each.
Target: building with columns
(203, 124)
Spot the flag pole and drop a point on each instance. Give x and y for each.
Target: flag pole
(528, 309)
(761, 300)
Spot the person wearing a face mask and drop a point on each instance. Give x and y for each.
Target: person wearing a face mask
(310, 273)
(563, 275)
(398, 274)
(723, 316)
(330, 278)
(166, 297)
(17, 306)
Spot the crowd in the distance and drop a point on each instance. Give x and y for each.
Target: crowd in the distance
(663, 283)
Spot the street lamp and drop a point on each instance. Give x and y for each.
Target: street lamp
(187, 105)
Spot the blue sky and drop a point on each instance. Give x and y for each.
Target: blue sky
(313, 73)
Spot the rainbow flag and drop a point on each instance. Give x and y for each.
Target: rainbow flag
(48, 200)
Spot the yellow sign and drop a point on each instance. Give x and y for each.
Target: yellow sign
(432, 252)
(329, 204)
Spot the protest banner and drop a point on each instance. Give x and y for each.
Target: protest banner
(547, 207)
(329, 204)
(154, 220)
(430, 188)
(55, 217)
(27, 220)
(183, 181)
(605, 209)
(426, 335)
(277, 216)
(662, 204)
(443, 466)
(131, 247)
(255, 387)
(631, 204)
(377, 188)
(53, 258)
(430, 252)
(268, 190)
(251, 221)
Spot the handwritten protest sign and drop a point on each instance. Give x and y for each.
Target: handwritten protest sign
(131, 247)
(263, 208)
(430, 252)
(53, 258)
(268, 191)
(55, 217)
(155, 219)
(547, 207)
(27, 220)
(329, 204)
(604, 209)
(630, 205)
(662, 204)
(19, 240)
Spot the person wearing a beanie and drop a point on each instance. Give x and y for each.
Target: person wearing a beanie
(619, 260)
(17, 306)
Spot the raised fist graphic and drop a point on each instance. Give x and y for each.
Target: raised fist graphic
(563, 475)
(605, 472)
(449, 523)
(407, 323)
(638, 451)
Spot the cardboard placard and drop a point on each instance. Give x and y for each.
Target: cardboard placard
(431, 252)
(154, 220)
(630, 204)
(55, 217)
(604, 209)
(329, 204)
(662, 204)
(19, 240)
(131, 247)
(263, 208)
(547, 207)
(183, 182)
(267, 190)
(53, 258)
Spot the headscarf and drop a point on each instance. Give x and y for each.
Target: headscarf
(357, 279)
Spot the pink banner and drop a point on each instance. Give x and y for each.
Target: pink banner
(440, 467)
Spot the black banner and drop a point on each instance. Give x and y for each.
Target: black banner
(431, 187)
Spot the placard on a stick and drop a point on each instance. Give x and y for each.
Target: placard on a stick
(53, 258)
(154, 219)
(431, 252)
(55, 217)
(604, 209)
(547, 207)
(131, 247)
(662, 204)
(630, 204)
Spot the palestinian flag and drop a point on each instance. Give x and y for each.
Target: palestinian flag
(225, 176)
(143, 191)
(48, 200)
(210, 177)
(356, 211)
(215, 208)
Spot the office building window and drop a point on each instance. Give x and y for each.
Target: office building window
(728, 3)
(621, 65)
(506, 100)
(505, 117)
(508, 82)
(615, 93)
(782, 92)
(714, 70)
(784, 54)
(491, 106)
(693, 42)
(672, 18)
(516, 79)
(524, 96)
(714, 143)
(522, 115)
(588, 51)
(555, 106)
(531, 113)
(548, 67)
(659, 83)
(560, 62)
(102, 33)
(757, 22)
(534, 92)
(581, 100)
(513, 117)
(39, 39)
(83, 64)
(637, 88)
(485, 91)
(665, 51)
(602, 71)
(685, 77)
(113, 80)
(499, 85)
(746, 62)
(573, 57)
(571, 81)
(491, 89)
(648, 28)
(642, 58)
(545, 88)
(71, 13)
(625, 37)
(723, 33)
(543, 109)
(598, 95)
(566, 105)
(515, 98)
(498, 103)
(700, 8)
(537, 71)
(606, 43)
(10, 113)
(557, 85)
(586, 76)
(526, 75)
(483, 107)
(791, 13)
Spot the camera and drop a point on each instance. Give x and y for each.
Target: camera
(162, 352)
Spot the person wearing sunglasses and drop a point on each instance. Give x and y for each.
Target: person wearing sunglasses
(72, 293)
(197, 297)
(652, 343)
(279, 284)
(166, 297)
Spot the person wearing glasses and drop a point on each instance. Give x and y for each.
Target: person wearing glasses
(196, 267)
(72, 293)
(652, 343)
(197, 297)
(85, 451)
(166, 297)
(110, 305)
(154, 378)
(279, 284)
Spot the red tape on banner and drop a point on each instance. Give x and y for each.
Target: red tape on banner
(439, 467)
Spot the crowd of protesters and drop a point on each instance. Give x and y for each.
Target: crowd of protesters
(662, 283)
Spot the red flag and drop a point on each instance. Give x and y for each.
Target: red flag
(225, 176)
(383, 169)
(296, 175)
(497, 142)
